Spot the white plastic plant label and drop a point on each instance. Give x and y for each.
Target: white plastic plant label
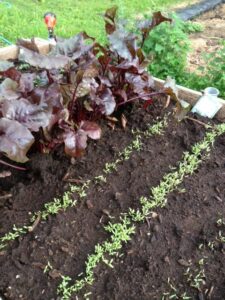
(208, 105)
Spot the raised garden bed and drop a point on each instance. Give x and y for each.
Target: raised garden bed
(141, 216)
(185, 235)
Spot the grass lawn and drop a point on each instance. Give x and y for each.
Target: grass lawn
(24, 18)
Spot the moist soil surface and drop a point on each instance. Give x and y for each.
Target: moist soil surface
(184, 235)
(210, 39)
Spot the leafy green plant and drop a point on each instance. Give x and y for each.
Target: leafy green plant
(168, 46)
(192, 27)
(212, 74)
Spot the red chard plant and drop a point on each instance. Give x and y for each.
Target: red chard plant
(61, 97)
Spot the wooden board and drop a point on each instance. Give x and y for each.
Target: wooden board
(11, 52)
(191, 96)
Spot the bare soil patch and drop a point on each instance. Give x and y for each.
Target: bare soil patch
(208, 41)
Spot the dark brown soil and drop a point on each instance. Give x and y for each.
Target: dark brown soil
(153, 254)
(177, 239)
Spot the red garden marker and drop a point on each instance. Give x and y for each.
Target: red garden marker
(50, 21)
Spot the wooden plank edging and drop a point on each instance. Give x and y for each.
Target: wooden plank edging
(189, 95)
(12, 52)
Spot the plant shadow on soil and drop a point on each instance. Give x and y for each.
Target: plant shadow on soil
(163, 246)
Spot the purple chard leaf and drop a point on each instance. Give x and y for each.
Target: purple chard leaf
(15, 140)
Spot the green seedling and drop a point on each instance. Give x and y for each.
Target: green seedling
(181, 190)
(196, 279)
(57, 205)
(211, 245)
(127, 153)
(201, 262)
(12, 235)
(52, 208)
(220, 222)
(48, 267)
(221, 238)
(110, 167)
(174, 294)
(137, 143)
(201, 246)
(156, 129)
(64, 287)
(81, 190)
(121, 232)
(136, 215)
(100, 178)
(86, 296)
